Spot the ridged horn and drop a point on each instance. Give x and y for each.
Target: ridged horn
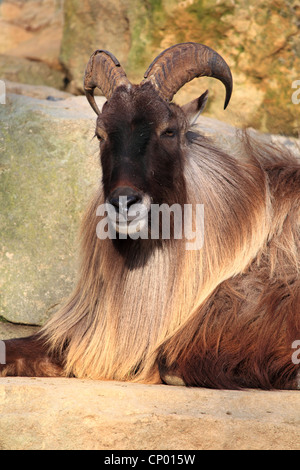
(181, 63)
(104, 72)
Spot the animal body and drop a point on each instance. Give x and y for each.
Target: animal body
(224, 315)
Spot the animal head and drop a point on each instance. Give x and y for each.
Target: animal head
(142, 133)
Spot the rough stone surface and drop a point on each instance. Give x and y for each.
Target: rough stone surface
(48, 169)
(32, 29)
(11, 330)
(41, 92)
(20, 69)
(30, 42)
(48, 42)
(88, 26)
(58, 414)
(260, 41)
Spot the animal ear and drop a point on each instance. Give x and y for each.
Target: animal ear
(194, 108)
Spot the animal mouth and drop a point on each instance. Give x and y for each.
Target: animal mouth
(128, 219)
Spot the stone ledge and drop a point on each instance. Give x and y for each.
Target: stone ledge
(51, 414)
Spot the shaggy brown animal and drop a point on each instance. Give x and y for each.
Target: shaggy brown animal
(225, 315)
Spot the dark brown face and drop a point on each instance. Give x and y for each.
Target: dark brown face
(142, 135)
(141, 139)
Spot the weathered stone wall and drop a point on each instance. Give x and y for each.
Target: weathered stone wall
(49, 166)
(88, 26)
(49, 42)
(30, 41)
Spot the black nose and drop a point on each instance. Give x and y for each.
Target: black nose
(123, 198)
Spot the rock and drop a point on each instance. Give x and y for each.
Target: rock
(10, 330)
(88, 26)
(48, 169)
(12, 33)
(32, 15)
(44, 47)
(261, 44)
(18, 69)
(49, 43)
(30, 42)
(11, 36)
(40, 91)
(72, 414)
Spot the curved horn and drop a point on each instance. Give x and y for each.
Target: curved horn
(105, 72)
(181, 63)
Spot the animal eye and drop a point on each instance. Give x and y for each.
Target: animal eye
(100, 137)
(169, 133)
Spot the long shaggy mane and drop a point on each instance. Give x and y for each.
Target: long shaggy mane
(222, 316)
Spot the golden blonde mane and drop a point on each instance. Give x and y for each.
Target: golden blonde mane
(118, 316)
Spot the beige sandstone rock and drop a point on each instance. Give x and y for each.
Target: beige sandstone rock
(30, 41)
(32, 29)
(92, 25)
(12, 36)
(11, 330)
(40, 92)
(44, 46)
(19, 69)
(58, 414)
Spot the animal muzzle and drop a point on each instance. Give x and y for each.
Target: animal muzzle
(128, 210)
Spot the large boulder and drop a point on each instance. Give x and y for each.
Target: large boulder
(41, 91)
(48, 168)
